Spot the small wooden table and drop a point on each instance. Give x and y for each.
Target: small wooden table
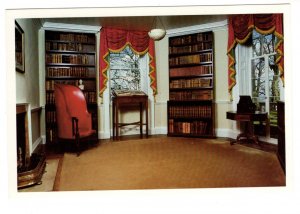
(129, 99)
(248, 118)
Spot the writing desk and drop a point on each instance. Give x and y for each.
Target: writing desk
(248, 118)
(129, 99)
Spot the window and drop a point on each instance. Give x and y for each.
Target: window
(127, 71)
(265, 77)
(258, 76)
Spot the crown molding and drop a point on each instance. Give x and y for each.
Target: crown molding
(71, 27)
(197, 28)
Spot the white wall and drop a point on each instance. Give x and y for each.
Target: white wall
(27, 84)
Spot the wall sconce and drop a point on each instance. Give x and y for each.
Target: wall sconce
(157, 33)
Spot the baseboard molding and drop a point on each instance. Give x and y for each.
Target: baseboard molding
(43, 139)
(103, 135)
(224, 133)
(133, 131)
(232, 134)
(160, 130)
(37, 143)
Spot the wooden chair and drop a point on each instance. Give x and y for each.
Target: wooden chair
(74, 122)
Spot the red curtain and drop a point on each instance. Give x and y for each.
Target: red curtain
(115, 40)
(240, 28)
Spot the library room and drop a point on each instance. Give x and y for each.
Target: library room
(171, 99)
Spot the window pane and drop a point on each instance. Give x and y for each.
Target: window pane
(125, 59)
(125, 79)
(256, 46)
(258, 83)
(268, 44)
(124, 70)
(262, 44)
(274, 90)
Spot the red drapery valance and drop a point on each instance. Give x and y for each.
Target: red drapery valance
(240, 28)
(115, 40)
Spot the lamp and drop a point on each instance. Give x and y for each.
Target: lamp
(157, 33)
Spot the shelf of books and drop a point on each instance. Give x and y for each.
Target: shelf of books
(70, 58)
(191, 85)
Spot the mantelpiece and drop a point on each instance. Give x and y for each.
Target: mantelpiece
(30, 167)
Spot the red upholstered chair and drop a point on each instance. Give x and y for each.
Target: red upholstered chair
(73, 119)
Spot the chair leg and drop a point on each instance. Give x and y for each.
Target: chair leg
(77, 145)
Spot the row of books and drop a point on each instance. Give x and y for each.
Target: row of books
(89, 85)
(191, 71)
(195, 127)
(50, 134)
(190, 59)
(191, 95)
(201, 37)
(50, 98)
(68, 46)
(190, 111)
(51, 117)
(189, 48)
(90, 97)
(83, 38)
(191, 83)
(67, 71)
(72, 59)
(50, 83)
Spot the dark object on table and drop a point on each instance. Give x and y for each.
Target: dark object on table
(245, 105)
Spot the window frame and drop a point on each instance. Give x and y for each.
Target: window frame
(143, 69)
(244, 57)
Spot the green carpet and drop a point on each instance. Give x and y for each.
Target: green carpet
(164, 163)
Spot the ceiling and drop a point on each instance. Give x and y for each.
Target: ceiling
(140, 22)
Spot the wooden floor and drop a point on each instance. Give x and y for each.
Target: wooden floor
(53, 151)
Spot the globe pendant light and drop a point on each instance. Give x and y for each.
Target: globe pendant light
(157, 33)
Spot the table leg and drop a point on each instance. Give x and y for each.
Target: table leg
(251, 134)
(141, 120)
(146, 106)
(117, 120)
(113, 119)
(247, 133)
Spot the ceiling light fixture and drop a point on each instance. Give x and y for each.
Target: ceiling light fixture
(157, 33)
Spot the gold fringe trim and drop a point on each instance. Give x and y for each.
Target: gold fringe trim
(130, 45)
(264, 32)
(104, 75)
(152, 70)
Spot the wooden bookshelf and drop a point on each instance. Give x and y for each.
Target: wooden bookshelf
(69, 58)
(191, 85)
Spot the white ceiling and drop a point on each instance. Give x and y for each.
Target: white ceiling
(140, 22)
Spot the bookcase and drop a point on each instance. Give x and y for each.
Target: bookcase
(191, 85)
(70, 58)
(281, 133)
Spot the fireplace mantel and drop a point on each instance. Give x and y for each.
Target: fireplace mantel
(30, 167)
(21, 108)
(22, 129)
